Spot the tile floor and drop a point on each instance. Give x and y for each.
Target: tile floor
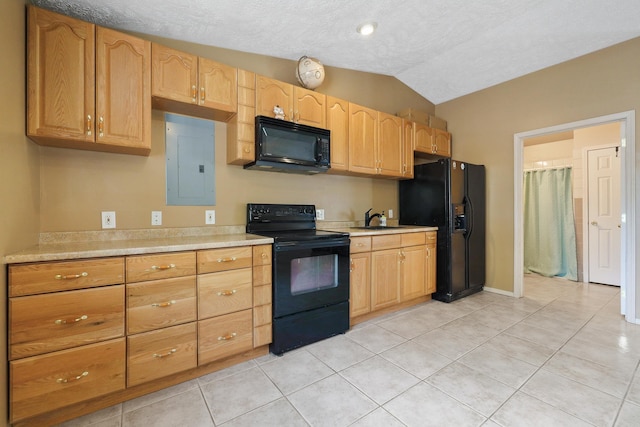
(561, 356)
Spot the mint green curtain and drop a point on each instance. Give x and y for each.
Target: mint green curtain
(549, 226)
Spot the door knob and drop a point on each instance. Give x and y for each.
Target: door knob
(594, 222)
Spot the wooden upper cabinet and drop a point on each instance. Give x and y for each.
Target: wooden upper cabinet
(188, 84)
(408, 147)
(363, 139)
(338, 124)
(241, 127)
(87, 87)
(442, 143)
(309, 107)
(423, 138)
(390, 145)
(60, 78)
(123, 98)
(271, 92)
(218, 85)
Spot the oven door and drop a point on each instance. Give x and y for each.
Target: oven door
(309, 275)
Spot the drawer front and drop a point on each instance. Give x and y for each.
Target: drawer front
(160, 266)
(44, 383)
(224, 292)
(431, 236)
(262, 275)
(413, 239)
(213, 260)
(262, 315)
(44, 277)
(262, 255)
(261, 295)
(160, 303)
(262, 335)
(386, 241)
(360, 244)
(224, 336)
(160, 353)
(44, 323)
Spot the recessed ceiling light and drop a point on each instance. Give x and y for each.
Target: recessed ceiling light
(368, 28)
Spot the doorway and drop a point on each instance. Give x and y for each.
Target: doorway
(627, 244)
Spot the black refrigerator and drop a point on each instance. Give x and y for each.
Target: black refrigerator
(450, 195)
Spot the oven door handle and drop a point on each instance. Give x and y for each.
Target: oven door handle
(311, 244)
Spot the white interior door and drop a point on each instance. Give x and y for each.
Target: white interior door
(603, 168)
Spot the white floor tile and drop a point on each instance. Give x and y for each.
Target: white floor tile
(523, 410)
(416, 359)
(506, 369)
(296, 370)
(187, 408)
(339, 352)
(278, 413)
(375, 339)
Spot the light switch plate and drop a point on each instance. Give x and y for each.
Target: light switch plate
(390, 213)
(320, 214)
(108, 219)
(210, 217)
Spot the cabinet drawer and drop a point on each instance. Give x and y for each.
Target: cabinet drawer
(262, 295)
(44, 323)
(213, 260)
(44, 277)
(386, 241)
(413, 239)
(360, 244)
(262, 255)
(262, 315)
(224, 292)
(262, 275)
(431, 236)
(160, 353)
(44, 383)
(224, 336)
(262, 335)
(160, 303)
(160, 266)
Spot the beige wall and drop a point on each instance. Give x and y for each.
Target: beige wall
(78, 185)
(19, 174)
(483, 125)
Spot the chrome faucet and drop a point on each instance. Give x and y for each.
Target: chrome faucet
(368, 218)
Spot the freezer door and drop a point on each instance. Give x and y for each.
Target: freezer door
(475, 205)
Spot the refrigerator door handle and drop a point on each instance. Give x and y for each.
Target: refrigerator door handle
(469, 216)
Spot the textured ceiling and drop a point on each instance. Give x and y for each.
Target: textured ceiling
(442, 49)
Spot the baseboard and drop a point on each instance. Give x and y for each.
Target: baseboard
(498, 291)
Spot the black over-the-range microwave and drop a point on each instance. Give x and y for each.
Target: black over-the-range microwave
(284, 146)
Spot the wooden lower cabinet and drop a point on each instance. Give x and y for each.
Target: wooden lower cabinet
(87, 334)
(50, 381)
(160, 353)
(390, 271)
(224, 336)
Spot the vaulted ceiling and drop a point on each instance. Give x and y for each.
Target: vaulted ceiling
(442, 49)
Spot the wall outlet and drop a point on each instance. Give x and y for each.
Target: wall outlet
(320, 214)
(390, 213)
(210, 217)
(156, 217)
(108, 219)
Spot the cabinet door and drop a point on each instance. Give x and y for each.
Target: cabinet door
(360, 282)
(385, 278)
(442, 143)
(218, 85)
(430, 282)
(269, 93)
(175, 74)
(413, 262)
(363, 139)
(123, 96)
(390, 150)
(309, 107)
(60, 77)
(408, 145)
(338, 124)
(423, 138)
